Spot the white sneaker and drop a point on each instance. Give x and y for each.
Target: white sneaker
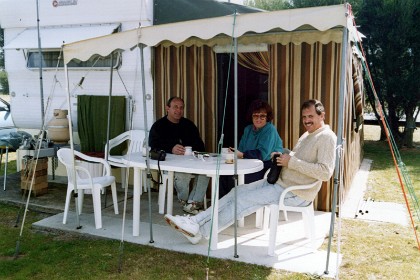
(183, 224)
(194, 240)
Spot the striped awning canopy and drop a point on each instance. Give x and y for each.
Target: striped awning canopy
(321, 24)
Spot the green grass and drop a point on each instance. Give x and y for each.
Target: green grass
(371, 250)
(66, 256)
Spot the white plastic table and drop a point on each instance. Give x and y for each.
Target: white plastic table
(187, 164)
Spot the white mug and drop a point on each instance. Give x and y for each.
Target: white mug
(188, 151)
(230, 158)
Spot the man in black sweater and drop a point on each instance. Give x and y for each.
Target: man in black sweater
(173, 133)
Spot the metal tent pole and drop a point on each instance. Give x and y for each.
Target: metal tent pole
(108, 125)
(41, 84)
(149, 174)
(235, 86)
(340, 140)
(66, 70)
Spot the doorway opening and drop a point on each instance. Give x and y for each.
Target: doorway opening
(251, 85)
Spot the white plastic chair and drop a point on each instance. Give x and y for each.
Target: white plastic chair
(135, 140)
(308, 216)
(85, 181)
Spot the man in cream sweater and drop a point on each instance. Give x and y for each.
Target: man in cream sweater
(312, 159)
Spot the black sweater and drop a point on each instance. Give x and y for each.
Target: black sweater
(164, 135)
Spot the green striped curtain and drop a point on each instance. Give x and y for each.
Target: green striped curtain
(92, 119)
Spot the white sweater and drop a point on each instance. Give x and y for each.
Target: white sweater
(313, 158)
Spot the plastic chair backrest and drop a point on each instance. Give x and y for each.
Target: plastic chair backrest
(65, 156)
(136, 138)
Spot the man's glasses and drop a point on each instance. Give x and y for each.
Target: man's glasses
(259, 116)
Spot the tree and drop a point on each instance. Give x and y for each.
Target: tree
(392, 46)
(4, 85)
(268, 5)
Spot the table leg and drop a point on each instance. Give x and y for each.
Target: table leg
(215, 204)
(5, 167)
(215, 194)
(136, 200)
(170, 198)
(241, 181)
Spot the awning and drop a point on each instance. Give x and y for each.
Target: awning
(55, 37)
(324, 24)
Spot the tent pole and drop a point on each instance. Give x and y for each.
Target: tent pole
(66, 70)
(108, 125)
(340, 140)
(149, 174)
(235, 86)
(41, 83)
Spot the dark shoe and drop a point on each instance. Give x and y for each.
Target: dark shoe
(192, 208)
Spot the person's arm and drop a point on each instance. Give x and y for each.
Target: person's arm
(158, 139)
(323, 168)
(267, 143)
(191, 136)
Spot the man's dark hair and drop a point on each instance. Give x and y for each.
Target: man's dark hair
(168, 103)
(319, 108)
(259, 105)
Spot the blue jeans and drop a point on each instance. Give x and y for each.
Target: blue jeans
(250, 197)
(182, 186)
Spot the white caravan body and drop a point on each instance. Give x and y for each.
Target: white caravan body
(68, 21)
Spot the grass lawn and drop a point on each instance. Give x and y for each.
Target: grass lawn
(371, 250)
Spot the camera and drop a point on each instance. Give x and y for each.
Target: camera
(156, 154)
(273, 174)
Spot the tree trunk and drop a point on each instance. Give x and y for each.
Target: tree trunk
(410, 125)
(393, 121)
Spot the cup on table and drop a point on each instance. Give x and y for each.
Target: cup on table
(230, 158)
(188, 151)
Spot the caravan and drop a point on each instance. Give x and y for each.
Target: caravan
(63, 22)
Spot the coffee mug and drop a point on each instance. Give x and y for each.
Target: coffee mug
(225, 151)
(188, 151)
(230, 158)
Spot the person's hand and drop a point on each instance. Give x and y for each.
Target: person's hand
(178, 149)
(274, 153)
(283, 160)
(239, 154)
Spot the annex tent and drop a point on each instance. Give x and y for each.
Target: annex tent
(309, 55)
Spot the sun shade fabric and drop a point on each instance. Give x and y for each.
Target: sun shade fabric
(55, 37)
(169, 11)
(310, 24)
(92, 119)
(190, 73)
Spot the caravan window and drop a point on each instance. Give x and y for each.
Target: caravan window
(52, 59)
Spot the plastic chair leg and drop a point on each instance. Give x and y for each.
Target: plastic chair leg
(274, 217)
(123, 177)
(259, 218)
(162, 193)
(80, 199)
(96, 197)
(241, 222)
(67, 205)
(114, 197)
